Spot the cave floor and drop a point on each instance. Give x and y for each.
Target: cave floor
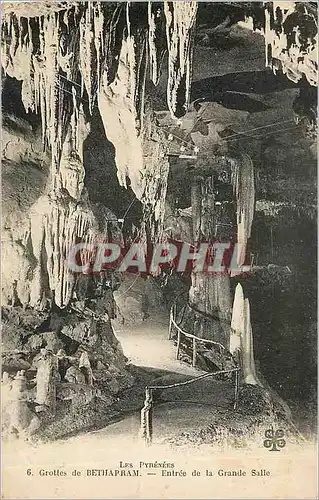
(180, 411)
(146, 344)
(152, 358)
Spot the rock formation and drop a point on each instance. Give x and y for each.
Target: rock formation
(241, 339)
(69, 67)
(46, 380)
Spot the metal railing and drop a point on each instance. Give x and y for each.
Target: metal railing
(147, 410)
(180, 332)
(194, 338)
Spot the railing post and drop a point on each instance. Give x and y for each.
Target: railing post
(236, 389)
(194, 352)
(178, 343)
(147, 417)
(170, 326)
(171, 317)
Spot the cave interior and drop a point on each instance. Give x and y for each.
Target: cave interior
(157, 122)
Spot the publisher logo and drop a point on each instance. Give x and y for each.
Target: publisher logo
(274, 439)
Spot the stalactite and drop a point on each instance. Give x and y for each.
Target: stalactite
(89, 38)
(180, 20)
(291, 38)
(113, 41)
(90, 52)
(244, 190)
(116, 104)
(88, 56)
(156, 39)
(208, 222)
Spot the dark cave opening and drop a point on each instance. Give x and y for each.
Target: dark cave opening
(12, 105)
(101, 179)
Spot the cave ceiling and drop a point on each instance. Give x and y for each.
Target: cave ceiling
(155, 82)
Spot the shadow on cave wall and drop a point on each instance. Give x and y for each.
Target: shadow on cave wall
(11, 101)
(284, 310)
(101, 175)
(257, 82)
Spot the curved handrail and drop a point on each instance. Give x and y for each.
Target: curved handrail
(195, 379)
(186, 334)
(197, 311)
(191, 336)
(147, 410)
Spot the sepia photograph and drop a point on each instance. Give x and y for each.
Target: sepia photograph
(159, 249)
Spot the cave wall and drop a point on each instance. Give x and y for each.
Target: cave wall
(60, 83)
(73, 59)
(82, 63)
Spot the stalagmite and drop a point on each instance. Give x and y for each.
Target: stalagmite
(51, 70)
(46, 381)
(241, 339)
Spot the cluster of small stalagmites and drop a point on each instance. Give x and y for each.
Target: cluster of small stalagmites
(43, 381)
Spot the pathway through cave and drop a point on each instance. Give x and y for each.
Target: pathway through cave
(146, 344)
(180, 410)
(177, 410)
